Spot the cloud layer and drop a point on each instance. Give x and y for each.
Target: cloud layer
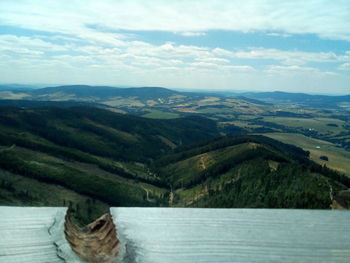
(100, 42)
(328, 19)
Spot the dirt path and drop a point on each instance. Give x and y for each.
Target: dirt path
(147, 194)
(202, 163)
(9, 148)
(171, 198)
(331, 196)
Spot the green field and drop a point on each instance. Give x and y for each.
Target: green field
(242, 124)
(320, 125)
(156, 114)
(339, 159)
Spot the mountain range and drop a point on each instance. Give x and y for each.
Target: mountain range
(100, 93)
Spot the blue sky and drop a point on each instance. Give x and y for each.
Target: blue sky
(215, 45)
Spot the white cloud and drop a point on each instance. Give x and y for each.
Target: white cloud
(167, 50)
(102, 38)
(223, 52)
(34, 44)
(204, 64)
(213, 60)
(288, 57)
(345, 67)
(274, 34)
(273, 69)
(327, 19)
(191, 34)
(240, 68)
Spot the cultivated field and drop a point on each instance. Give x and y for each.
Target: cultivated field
(338, 158)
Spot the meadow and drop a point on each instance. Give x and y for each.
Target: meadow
(338, 158)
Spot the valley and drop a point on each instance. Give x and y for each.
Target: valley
(158, 147)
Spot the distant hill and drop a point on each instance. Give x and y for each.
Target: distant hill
(299, 98)
(39, 104)
(254, 101)
(149, 93)
(141, 100)
(158, 96)
(18, 87)
(102, 92)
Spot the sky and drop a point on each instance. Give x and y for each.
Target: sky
(250, 45)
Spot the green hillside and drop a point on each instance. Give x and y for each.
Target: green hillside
(249, 171)
(101, 132)
(88, 154)
(94, 152)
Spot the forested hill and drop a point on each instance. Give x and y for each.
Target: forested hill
(105, 133)
(106, 91)
(94, 154)
(40, 104)
(250, 171)
(126, 160)
(298, 98)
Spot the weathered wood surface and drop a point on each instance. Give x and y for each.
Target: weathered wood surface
(176, 235)
(169, 235)
(25, 234)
